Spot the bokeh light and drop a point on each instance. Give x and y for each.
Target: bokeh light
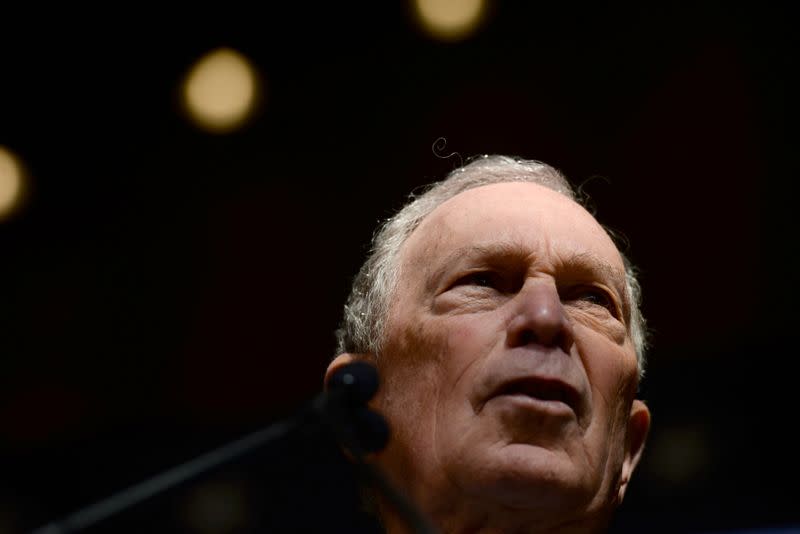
(449, 20)
(221, 91)
(679, 455)
(217, 507)
(11, 183)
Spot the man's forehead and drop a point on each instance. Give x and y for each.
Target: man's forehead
(515, 216)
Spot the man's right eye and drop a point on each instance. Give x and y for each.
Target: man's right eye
(499, 281)
(479, 279)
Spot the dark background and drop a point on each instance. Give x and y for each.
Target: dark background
(165, 290)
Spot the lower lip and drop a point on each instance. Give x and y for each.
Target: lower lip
(553, 407)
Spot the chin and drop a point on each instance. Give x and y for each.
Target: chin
(523, 476)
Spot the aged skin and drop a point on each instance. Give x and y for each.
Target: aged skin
(509, 375)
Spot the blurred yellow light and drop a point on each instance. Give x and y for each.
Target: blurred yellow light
(10, 183)
(217, 507)
(449, 20)
(220, 90)
(680, 455)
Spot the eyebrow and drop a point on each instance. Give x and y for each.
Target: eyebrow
(591, 263)
(496, 250)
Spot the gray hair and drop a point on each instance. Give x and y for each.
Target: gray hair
(367, 307)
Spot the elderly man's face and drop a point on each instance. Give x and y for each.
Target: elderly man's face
(508, 370)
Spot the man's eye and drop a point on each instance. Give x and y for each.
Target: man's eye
(483, 279)
(480, 279)
(598, 297)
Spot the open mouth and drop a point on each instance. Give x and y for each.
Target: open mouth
(542, 389)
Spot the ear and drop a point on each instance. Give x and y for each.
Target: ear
(342, 360)
(638, 427)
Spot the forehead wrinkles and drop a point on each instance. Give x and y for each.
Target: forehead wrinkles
(519, 218)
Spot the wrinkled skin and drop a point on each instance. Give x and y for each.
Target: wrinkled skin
(500, 285)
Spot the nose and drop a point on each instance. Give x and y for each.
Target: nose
(539, 317)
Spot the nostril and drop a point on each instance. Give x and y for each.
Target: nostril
(530, 336)
(526, 337)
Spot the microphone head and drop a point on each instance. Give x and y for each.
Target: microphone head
(357, 382)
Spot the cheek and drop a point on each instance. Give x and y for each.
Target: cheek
(612, 373)
(600, 322)
(469, 343)
(429, 369)
(609, 365)
(410, 371)
(468, 336)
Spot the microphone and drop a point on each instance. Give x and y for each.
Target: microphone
(342, 408)
(357, 382)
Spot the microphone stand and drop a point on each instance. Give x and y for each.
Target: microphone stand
(172, 478)
(335, 410)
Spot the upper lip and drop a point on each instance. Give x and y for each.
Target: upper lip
(544, 388)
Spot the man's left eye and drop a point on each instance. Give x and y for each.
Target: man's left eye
(596, 296)
(482, 279)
